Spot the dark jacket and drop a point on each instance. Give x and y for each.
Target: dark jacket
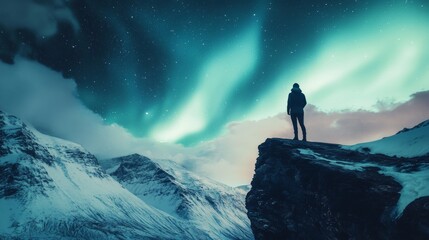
(296, 101)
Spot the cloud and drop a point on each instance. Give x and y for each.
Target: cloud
(40, 17)
(43, 98)
(360, 126)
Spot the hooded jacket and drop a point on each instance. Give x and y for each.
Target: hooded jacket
(296, 101)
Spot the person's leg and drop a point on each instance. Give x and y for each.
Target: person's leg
(295, 127)
(301, 123)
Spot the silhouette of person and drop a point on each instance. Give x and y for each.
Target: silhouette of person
(295, 108)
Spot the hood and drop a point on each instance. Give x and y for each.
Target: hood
(296, 89)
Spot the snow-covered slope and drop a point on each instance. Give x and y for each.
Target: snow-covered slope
(245, 188)
(51, 188)
(214, 208)
(406, 143)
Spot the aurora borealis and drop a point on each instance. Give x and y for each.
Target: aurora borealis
(184, 72)
(179, 71)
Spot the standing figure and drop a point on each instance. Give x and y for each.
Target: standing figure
(295, 108)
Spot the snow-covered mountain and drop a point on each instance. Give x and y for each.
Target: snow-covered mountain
(411, 142)
(51, 188)
(214, 208)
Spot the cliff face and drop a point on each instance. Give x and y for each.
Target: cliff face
(324, 191)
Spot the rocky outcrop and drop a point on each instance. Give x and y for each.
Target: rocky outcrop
(324, 191)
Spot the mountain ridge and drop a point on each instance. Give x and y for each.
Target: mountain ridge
(52, 188)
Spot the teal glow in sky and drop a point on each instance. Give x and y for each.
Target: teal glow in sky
(368, 59)
(220, 75)
(373, 58)
(181, 71)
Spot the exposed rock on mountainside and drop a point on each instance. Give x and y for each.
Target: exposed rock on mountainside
(324, 191)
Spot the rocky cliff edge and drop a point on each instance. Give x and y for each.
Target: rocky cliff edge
(325, 191)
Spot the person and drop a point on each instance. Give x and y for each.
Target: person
(295, 108)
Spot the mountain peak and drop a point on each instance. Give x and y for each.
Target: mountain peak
(136, 168)
(176, 191)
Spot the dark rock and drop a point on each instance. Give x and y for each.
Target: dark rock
(330, 193)
(414, 223)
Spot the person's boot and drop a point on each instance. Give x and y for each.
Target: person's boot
(304, 139)
(296, 137)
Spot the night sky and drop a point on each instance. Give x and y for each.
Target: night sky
(179, 71)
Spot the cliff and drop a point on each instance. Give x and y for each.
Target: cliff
(327, 191)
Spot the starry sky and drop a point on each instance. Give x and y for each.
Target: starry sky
(211, 77)
(179, 71)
